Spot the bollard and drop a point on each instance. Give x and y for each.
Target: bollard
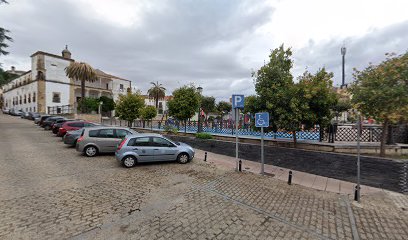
(205, 157)
(240, 165)
(356, 194)
(290, 178)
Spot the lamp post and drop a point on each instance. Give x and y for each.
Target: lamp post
(199, 90)
(100, 110)
(343, 53)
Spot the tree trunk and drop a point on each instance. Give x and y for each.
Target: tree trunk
(82, 95)
(157, 101)
(384, 138)
(185, 126)
(294, 139)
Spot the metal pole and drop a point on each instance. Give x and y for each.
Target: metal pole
(343, 75)
(358, 157)
(236, 137)
(262, 151)
(343, 53)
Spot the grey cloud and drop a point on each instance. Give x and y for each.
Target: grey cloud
(370, 47)
(191, 41)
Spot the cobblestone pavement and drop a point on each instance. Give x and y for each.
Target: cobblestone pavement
(49, 191)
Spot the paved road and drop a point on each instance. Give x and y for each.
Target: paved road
(49, 191)
(375, 172)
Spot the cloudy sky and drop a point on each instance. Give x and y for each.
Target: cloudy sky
(215, 44)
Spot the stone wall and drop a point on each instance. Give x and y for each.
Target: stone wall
(88, 117)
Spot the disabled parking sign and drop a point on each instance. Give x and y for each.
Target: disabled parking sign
(262, 119)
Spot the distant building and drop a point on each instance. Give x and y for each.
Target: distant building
(46, 85)
(15, 72)
(162, 108)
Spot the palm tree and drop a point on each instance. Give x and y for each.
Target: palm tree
(157, 91)
(84, 72)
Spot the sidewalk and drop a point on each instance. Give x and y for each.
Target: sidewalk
(300, 178)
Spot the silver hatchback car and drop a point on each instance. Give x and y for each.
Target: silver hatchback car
(151, 148)
(102, 139)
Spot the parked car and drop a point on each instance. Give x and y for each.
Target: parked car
(101, 139)
(71, 137)
(25, 115)
(43, 118)
(33, 115)
(47, 124)
(151, 148)
(6, 111)
(37, 120)
(73, 125)
(14, 112)
(57, 124)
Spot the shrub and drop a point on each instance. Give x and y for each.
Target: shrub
(204, 136)
(170, 129)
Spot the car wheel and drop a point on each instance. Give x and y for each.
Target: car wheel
(90, 151)
(129, 161)
(183, 158)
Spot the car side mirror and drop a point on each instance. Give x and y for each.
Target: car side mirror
(178, 143)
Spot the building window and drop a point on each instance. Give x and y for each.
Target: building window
(121, 87)
(107, 86)
(56, 97)
(25, 99)
(29, 98)
(33, 109)
(21, 100)
(34, 97)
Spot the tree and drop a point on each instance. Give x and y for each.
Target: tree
(223, 107)
(341, 106)
(108, 104)
(88, 105)
(317, 97)
(185, 103)
(381, 92)
(157, 91)
(6, 77)
(207, 104)
(148, 113)
(275, 87)
(83, 72)
(4, 37)
(129, 106)
(252, 104)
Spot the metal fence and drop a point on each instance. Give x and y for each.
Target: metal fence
(369, 133)
(63, 109)
(340, 133)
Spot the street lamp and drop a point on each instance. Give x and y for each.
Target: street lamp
(343, 53)
(199, 90)
(100, 110)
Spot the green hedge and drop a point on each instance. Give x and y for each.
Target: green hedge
(204, 136)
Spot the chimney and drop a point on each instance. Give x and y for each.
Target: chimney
(13, 69)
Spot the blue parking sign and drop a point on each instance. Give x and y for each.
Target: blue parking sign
(262, 119)
(237, 101)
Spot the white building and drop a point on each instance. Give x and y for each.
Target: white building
(46, 87)
(162, 108)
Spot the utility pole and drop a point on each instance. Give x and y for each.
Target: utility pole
(343, 53)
